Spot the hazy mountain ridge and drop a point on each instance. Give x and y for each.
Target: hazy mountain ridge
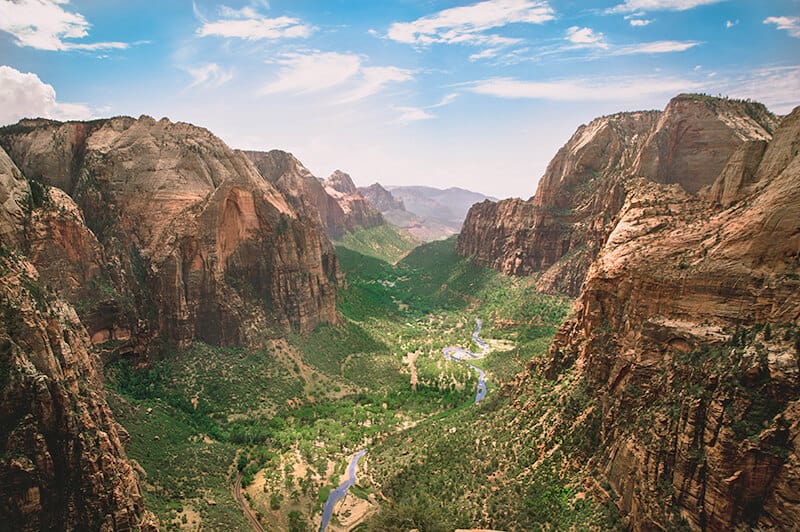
(426, 212)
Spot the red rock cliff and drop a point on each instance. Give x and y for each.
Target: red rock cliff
(62, 462)
(188, 228)
(688, 330)
(559, 231)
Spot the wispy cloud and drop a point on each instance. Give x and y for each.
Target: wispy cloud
(777, 87)
(317, 71)
(210, 75)
(731, 23)
(656, 47)
(789, 24)
(313, 72)
(469, 24)
(248, 24)
(412, 114)
(446, 100)
(607, 89)
(485, 54)
(47, 25)
(640, 22)
(374, 79)
(585, 38)
(24, 95)
(659, 5)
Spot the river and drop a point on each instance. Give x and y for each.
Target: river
(341, 491)
(457, 354)
(450, 353)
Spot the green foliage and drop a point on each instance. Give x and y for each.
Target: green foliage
(385, 242)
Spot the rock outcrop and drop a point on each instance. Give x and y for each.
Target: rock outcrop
(304, 191)
(62, 462)
(359, 211)
(688, 330)
(381, 198)
(186, 240)
(559, 231)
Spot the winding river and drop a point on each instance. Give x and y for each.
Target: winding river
(458, 354)
(341, 491)
(450, 353)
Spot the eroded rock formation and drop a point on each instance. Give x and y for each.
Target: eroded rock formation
(688, 330)
(183, 237)
(381, 198)
(559, 231)
(359, 211)
(62, 461)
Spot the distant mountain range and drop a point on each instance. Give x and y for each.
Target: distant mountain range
(426, 212)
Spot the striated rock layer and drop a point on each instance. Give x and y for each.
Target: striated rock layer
(62, 461)
(688, 328)
(559, 231)
(183, 237)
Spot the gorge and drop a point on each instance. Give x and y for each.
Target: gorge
(179, 317)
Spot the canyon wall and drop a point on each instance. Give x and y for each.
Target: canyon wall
(688, 331)
(559, 231)
(183, 238)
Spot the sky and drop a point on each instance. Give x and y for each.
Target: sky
(474, 94)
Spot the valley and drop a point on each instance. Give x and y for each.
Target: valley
(201, 338)
(289, 417)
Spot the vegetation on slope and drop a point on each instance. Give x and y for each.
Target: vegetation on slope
(386, 242)
(286, 418)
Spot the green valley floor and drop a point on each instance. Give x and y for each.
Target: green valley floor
(285, 418)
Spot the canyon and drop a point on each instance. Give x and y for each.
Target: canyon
(154, 277)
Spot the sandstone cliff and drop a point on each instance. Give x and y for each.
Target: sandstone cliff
(185, 238)
(559, 231)
(62, 461)
(359, 211)
(688, 329)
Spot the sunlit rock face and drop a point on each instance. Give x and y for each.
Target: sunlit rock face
(183, 238)
(560, 230)
(688, 328)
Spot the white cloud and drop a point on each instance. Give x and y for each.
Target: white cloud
(314, 72)
(374, 79)
(585, 37)
(211, 75)
(731, 23)
(778, 88)
(640, 22)
(248, 24)
(659, 5)
(484, 54)
(468, 24)
(657, 47)
(318, 71)
(446, 100)
(790, 24)
(412, 114)
(581, 89)
(24, 95)
(45, 24)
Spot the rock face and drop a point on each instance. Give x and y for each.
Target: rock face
(358, 211)
(62, 463)
(688, 329)
(186, 240)
(559, 231)
(381, 198)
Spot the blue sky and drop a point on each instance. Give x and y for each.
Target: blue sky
(477, 94)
